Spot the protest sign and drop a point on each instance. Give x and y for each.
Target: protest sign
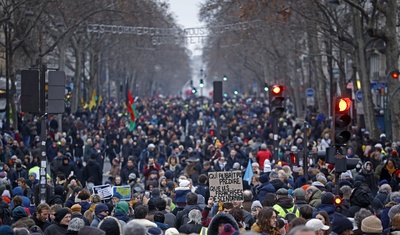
(226, 186)
(125, 191)
(104, 191)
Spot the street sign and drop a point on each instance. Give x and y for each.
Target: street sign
(310, 92)
(359, 96)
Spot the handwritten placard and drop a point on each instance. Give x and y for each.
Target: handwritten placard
(104, 191)
(226, 186)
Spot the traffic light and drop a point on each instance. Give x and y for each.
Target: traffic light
(342, 120)
(395, 74)
(212, 132)
(276, 100)
(194, 91)
(338, 201)
(293, 159)
(266, 87)
(201, 83)
(225, 78)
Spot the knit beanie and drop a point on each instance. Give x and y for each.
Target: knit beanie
(111, 226)
(227, 230)
(371, 224)
(328, 198)
(18, 213)
(340, 223)
(76, 224)
(122, 207)
(60, 214)
(6, 230)
(100, 207)
(76, 209)
(154, 231)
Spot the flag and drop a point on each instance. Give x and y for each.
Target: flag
(130, 105)
(92, 102)
(248, 174)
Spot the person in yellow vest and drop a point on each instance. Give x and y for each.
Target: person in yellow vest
(284, 204)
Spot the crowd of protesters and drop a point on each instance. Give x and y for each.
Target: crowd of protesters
(166, 159)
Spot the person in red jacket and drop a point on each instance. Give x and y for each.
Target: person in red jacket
(263, 154)
(152, 165)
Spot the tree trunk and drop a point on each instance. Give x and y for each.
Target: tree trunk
(77, 94)
(392, 55)
(317, 75)
(369, 115)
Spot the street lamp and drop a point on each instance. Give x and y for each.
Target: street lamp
(394, 74)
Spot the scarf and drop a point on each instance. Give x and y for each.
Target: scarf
(390, 169)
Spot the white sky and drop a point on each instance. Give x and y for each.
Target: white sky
(186, 12)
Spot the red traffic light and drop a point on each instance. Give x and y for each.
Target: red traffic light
(277, 89)
(343, 104)
(293, 158)
(395, 74)
(212, 132)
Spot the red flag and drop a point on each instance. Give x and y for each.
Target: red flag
(130, 103)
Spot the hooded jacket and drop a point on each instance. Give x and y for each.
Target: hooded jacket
(358, 199)
(369, 176)
(315, 199)
(263, 189)
(219, 219)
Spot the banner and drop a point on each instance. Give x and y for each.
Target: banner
(125, 191)
(104, 191)
(226, 186)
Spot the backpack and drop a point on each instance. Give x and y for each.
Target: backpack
(290, 215)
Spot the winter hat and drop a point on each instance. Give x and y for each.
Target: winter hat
(60, 214)
(263, 178)
(59, 190)
(76, 224)
(18, 213)
(328, 198)
(371, 224)
(6, 230)
(154, 231)
(184, 183)
(340, 223)
(397, 173)
(316, 225)
(111, 226)
(171, 231)
(227, 230)
(117, 195)
(255, 204)
(170, 185)
(91, 230)
(132, 176)
(281, 223)
(236, 166)
(6, 193)
(169, 174)
(100, 208)
(122, 207)
(322, 179)
(282, 192)
(76, 209)
(382, 182)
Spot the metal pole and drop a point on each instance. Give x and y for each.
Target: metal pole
(276, 139)
(7, 39)
(43, 134)
(305, 149)
(388, 125)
